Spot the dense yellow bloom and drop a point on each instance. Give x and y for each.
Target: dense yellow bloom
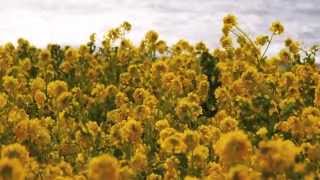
(104, 166)
(233, 147)
(32, 130)
(116, 110)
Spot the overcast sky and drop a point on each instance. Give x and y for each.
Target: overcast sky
(72, 21)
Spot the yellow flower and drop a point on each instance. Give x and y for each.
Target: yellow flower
(15, 151)
(228, 124)
(242, 172)
(55, 88)
(277, 155)
(126, 26)
(214, 171)
(93, 128)
(39, 135)
(151, 36)
(262, 132)
(93, 37)
(226, 29)
(104, 166)
(294, 47)
(11, 169)
(21, 130)
(230, 19)
(191, 178)
(186, 109)
(203, 89)
(161, 46)
(233, 147)
(121, 99)
(71, 55)
(127, 173)
(226, 41)
(3, 100)
(63, 100)
(139, 162)
(191, 139)
(262, 40)
(312, 151)
(37, 84)
(288, 42)
(153, 176)
(174, 144)
(158, 68)
(99, 92)
(162, 124)
(277, 28)
(9, 83)
(200, 156)
(131, 131)
(284, 55)
(25, 64)
(40, 98)
(139, 95)
(44, 55)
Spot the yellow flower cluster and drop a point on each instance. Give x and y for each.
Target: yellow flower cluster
(119, 111)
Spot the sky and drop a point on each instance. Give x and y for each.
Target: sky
(70, 22)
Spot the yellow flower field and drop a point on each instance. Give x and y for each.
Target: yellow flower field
(119, 111)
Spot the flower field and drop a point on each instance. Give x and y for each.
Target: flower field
(119, 111)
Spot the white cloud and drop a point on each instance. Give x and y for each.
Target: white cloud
(72, 21)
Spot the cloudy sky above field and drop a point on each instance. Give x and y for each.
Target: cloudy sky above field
(72, 21)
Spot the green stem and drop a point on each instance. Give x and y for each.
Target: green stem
(192, 165)
(246, 35)
(265, 51)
